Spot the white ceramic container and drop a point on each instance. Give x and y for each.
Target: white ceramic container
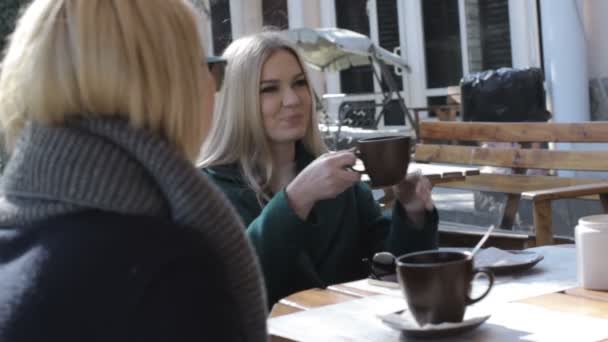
(591, 237)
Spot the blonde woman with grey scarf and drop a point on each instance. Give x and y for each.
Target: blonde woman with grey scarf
(107, 230)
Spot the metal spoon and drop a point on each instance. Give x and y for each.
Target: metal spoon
(482, 241)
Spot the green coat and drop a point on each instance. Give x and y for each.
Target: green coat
(329, 246)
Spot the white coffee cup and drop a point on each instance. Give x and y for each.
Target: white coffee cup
(591, 237)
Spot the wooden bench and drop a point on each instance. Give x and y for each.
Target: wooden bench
(541, 190)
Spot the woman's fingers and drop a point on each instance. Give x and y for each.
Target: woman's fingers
(424, 192)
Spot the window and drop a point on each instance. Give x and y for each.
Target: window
(220, 25)
(388, 31)
(488, 34)
(352, 15)
(464, 36)
(275, 13)
(442, 42)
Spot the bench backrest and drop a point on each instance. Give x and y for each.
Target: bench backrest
(428, 150)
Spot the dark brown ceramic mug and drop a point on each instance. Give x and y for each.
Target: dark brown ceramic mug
(437, 284)
(385, 159)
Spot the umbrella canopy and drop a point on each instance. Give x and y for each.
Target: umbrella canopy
(335, 49)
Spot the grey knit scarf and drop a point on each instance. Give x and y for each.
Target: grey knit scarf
(106, 164)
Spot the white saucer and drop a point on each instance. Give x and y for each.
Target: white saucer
(404, 322)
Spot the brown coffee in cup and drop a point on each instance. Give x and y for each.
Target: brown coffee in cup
(437, 284)
(385, 159)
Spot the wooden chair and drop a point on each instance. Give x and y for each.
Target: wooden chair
(445, 112)
(541, 190)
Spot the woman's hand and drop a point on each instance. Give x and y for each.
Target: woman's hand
(326, 177)
(414, 193)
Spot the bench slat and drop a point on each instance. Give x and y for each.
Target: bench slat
(567, 192)
(516, 132)
(513, 157)
(516, 184)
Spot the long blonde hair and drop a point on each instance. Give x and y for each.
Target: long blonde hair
(138, 59)
(237, 133)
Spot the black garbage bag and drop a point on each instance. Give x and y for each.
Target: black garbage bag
(504, 95)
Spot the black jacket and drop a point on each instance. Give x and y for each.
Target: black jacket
(99, 276)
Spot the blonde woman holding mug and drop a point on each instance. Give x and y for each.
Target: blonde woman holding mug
(310, 219)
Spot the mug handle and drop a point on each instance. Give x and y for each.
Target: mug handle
(490, 276)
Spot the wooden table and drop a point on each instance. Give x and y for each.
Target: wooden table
(571, 300)
(436, 173)
(574, 300)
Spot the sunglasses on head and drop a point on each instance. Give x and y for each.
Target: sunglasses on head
(217, 66)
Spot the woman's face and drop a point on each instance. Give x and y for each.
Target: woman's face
(285, 99)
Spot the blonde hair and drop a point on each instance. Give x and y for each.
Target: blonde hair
(138, 59)
(238, 133)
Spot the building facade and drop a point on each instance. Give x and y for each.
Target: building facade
(442, 40)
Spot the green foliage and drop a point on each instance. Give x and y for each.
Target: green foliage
(9, 10)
